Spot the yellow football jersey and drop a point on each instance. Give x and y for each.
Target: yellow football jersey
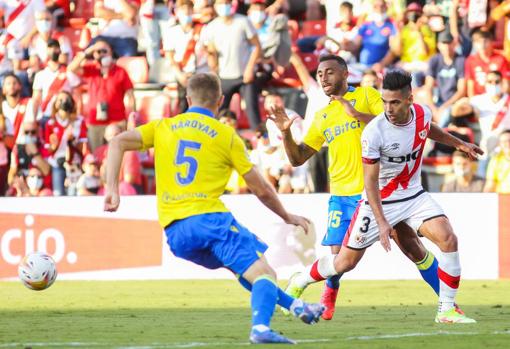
(342, 133)
(194, 157)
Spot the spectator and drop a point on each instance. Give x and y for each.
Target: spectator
(11, 56)
(109, 88)
(494, 116)
(19, 17)
(4, 157)
(183, 48)
(446, 74)
(38, 49)
(234, 59)
(27, 155)
(119, 27)
(370, 79)
(49, 81)
(376, 37)
(65, 139)
(228, 117)
(15, 109)
(131, 167)
(501, 13)
(417, 43)
(60, 10)
(31, 185)
(481, 62)
(154, 18)
(89, 182)
(498, 173)
(464, 179)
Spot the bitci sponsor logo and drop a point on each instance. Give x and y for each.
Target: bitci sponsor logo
(79, 243)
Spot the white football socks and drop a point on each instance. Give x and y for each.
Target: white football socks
(449, 278)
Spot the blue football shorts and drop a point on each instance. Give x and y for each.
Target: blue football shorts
(215, 240)
(340, 212)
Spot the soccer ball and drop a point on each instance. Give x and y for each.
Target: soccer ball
(37, 271)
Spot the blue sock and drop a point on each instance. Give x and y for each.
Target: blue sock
(334, 281)
(428, 270)
(284, 300)
(264, 294)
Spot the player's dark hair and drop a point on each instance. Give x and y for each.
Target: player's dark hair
(347, 4)
(397, 80)
(204, 89)
(338, 59)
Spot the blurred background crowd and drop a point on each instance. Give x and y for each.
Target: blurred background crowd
(75, 73)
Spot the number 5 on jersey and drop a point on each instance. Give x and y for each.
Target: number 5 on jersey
(187, 176)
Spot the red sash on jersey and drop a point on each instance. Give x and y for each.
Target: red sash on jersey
(55, 87)
(20, 115)
(190, 48)
(420, 136)
(17, 11)
(8, 37)
(501, 114)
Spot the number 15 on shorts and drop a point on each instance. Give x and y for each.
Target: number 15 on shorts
(334, 219)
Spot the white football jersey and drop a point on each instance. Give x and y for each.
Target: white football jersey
(400, 151)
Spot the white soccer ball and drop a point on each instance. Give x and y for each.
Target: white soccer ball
(37, 271)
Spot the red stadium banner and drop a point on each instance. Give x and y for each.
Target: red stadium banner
(504, 236)
(79, 243)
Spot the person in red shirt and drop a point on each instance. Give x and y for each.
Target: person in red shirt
(480, 63)
(107, 85)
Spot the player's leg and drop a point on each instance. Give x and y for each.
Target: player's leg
(410, 245)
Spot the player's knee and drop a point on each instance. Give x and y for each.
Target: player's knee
(450, 243)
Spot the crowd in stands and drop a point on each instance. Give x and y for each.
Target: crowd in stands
(75, 73)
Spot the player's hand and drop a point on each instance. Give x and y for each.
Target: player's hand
(472, 150)
(300, 221)
(384, 235)
(280, 118)
(346, 104)
(111, 201)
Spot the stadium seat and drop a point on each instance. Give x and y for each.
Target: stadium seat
(83, 9)
(136, 67)
(314, 28)
(154, 107)
(74, 35)
(310, 60)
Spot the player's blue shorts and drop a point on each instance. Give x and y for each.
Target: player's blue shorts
(215, 240)
(340, 211)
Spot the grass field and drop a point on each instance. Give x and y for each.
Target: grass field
(215, 314)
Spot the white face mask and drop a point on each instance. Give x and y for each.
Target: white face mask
(460, 171)
(378, 17)
(223, 10)
(34, 183)
(184, 18)
(106, 61)
(257, 17)
(43, 25)
(493, 90)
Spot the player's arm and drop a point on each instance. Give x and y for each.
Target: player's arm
(439, 135)
(363, 117)
(371, 176)
(297, 153)
(266, 193)
(129, 140)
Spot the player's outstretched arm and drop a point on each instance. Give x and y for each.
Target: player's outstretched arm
(129, 140)
(371, 174)
(439, 135)
(297, 153)
(267, 195)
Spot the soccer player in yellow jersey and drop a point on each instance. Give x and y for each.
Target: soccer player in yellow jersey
(340, 125)
(194, 157)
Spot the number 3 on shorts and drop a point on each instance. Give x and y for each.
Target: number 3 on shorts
(334, 219)
(364, 227)
(182, 159)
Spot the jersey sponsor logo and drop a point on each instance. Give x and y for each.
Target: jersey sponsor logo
(423, 134)
(331, 132)
(405, 158)
(353, 102)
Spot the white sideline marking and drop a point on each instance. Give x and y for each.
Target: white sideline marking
(422, 334)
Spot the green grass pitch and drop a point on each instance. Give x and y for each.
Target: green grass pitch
(215, 314)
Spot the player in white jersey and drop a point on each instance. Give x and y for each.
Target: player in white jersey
(392, 150)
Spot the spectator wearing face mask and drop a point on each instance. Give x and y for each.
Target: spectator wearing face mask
(234, 59)
(110, 90)
(118, 25)
(463, 179)
(31, 185)
(38, 49)
(89, 182)
(493, 108)
(50, 81)
(19, 17)
(65, 137)
(184, 48)
(15, 109)
(482, 61)
(27, 154)
(498, 172)
(376, 38)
